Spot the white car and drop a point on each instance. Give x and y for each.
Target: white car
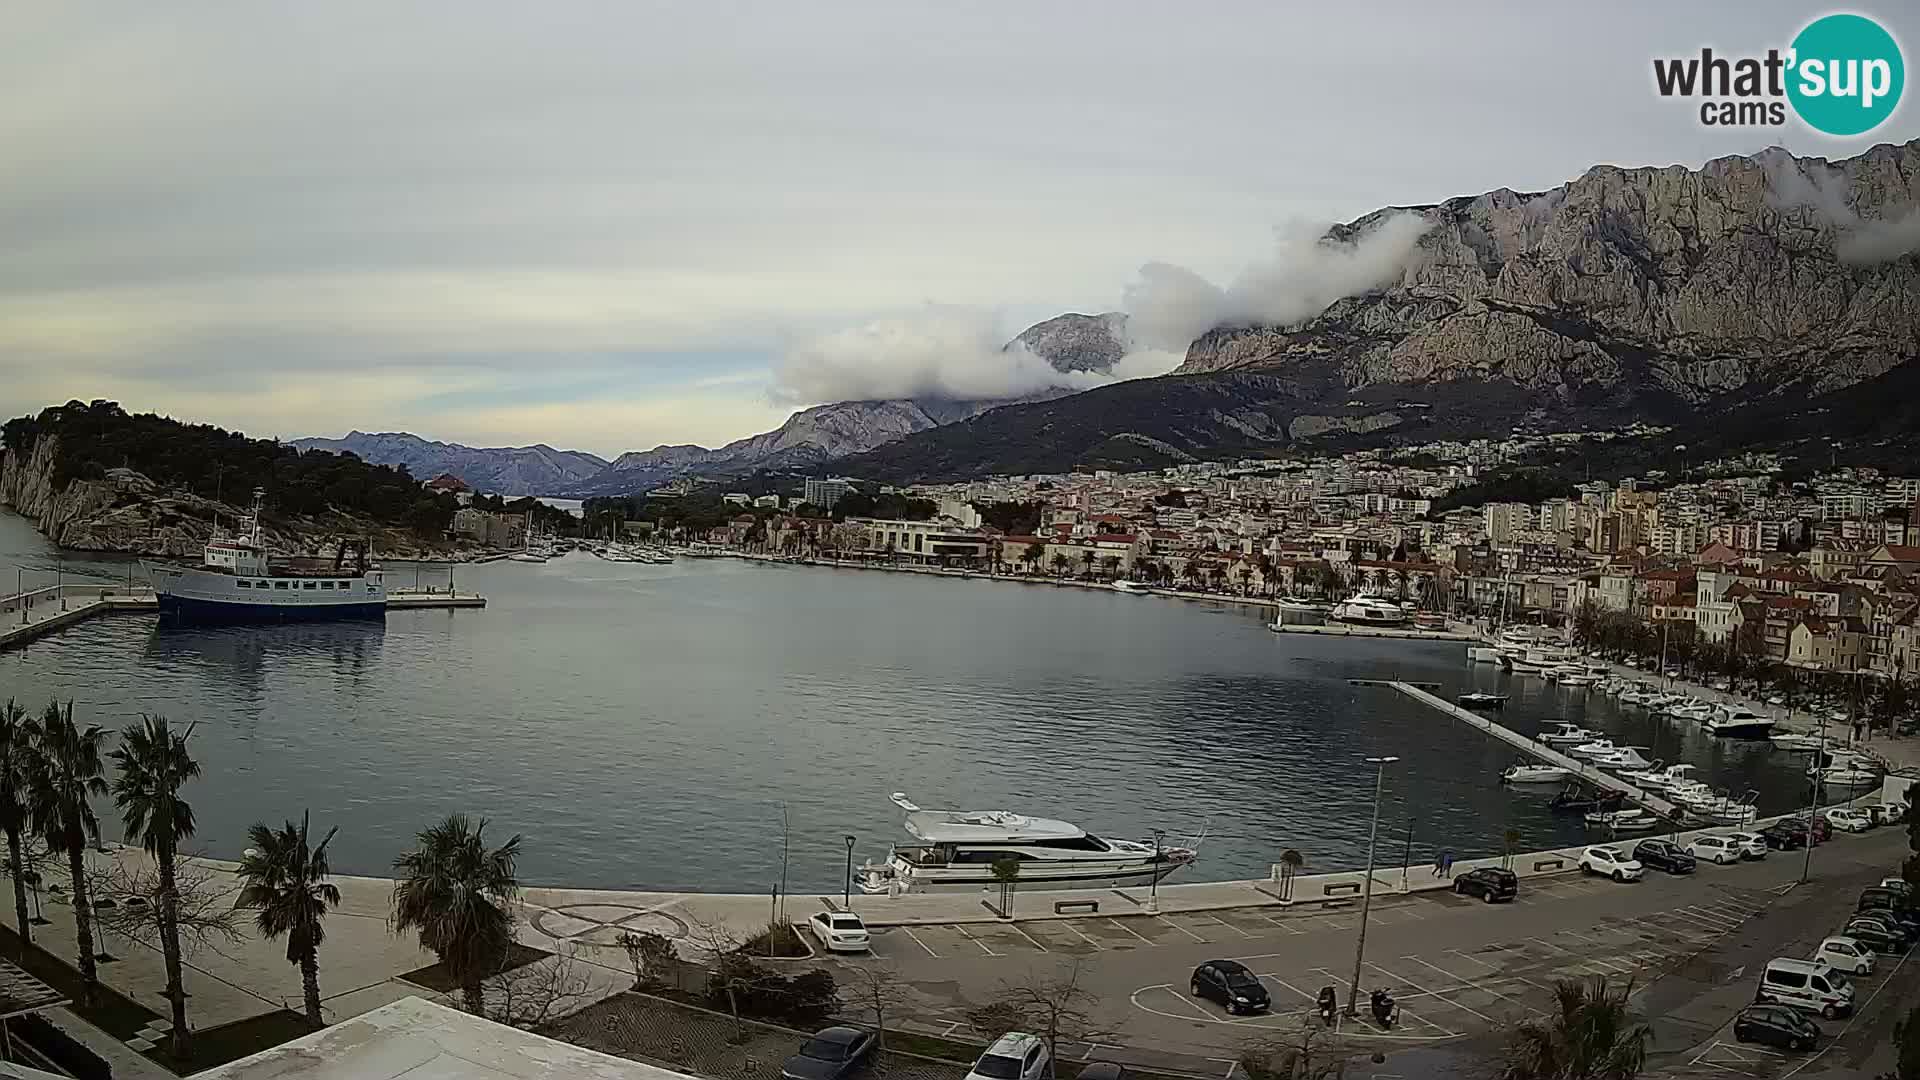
(840, 931)
(1846, 954)
(1611, 862)
(1886, 813)
(1013, 1056)
(1719, 850)
(1846, 817)
(1752, 844)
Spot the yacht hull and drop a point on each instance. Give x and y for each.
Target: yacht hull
(188, 609)
(973, 878)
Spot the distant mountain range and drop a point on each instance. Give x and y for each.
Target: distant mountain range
(1770, 287)
(1071, 344)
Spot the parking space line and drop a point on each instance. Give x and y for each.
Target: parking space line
(1477, 960)
(1291, 987)
(1178, 925)
(1717, 924)
(1435, 994)
(1068, 923)
(1482, 987)
(1230, 926)
(1551, 945)
(1284, 924)
(1588, 938)
(983, 945)
(1129, 930)
(922, 944)
(1029, 937)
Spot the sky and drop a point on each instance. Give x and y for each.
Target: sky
(607, 226)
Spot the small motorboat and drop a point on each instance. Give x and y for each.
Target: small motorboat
(1849, 775)
(1577, 798)
(1486, 654)
(1795, 742)
(1623, 821)
(1482, 701)
(1568, 735)
(1625, 757)
(1595, 749)
(1535, 774)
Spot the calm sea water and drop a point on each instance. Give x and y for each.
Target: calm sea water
(652, 726)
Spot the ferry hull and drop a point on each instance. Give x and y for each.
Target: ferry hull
(187, 609)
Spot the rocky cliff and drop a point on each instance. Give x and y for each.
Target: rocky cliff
(127, 512)
(1766, 285)
(501, 470)
(1748, 277)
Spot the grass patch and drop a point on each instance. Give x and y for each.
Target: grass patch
(112, 1011)
(435, 976)
(231, 1042)
(786, 943)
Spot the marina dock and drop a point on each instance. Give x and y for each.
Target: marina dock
(1345, 630)
(33, 614)
(1584, 770)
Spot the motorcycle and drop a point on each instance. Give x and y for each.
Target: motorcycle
(1385, 1010)
(1329, 1003)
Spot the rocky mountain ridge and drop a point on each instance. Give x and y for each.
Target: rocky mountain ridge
(502, 470)
(1665, 294)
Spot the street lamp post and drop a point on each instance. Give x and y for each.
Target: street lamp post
(1813, 798)
(1366, 893)
(1153, 882)
(846, 894)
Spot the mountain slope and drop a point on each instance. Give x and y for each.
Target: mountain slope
(1663, 294)
(506, 470)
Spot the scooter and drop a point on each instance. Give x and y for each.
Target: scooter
(1329, 1004)
(1385, 1010)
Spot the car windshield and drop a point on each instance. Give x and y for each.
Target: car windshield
(824, 1050)
(995, 1067)
(1241, 981)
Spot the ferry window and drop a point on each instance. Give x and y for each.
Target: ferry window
(244, 584)
(309, 585)
(326, 584)
(279, 584)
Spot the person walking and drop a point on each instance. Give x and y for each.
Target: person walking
(1446, 863)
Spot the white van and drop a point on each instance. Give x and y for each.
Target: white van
(1808, 985)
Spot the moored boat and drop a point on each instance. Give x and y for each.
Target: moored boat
(237, 582)
(1482, 701)
(1535, 774)
(1365, 610)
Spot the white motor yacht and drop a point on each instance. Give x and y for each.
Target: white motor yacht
(1594, 749)
(1567, 735)
(1131, 588)
(1845, 768)
(958, 848)
(1795, 742)
(1734, 721)
(1303, 605)
(1678, 774)
(1623, 821)
(1369, 611)
(1485, 654)
(1625, 757)
(1535, 774)
(1640, 777)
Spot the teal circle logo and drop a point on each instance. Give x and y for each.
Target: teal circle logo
(1847, 75)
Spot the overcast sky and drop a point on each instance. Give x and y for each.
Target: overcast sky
(600, 225)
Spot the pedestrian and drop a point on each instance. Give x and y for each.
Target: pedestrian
(1857, 725)
(1446, 863)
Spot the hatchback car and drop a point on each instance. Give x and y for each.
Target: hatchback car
(1719, 850)
(1785, 835)
(840, 931)
(1775, 1025)
(1013, 1056)
(1821, 826)
(1232, 985)
(1664, 855)
(1610, 862)
(1752, 844)
(1850, 820)
(1883, 936)
(1845, 954)
(831, 1054)
(1489, 883)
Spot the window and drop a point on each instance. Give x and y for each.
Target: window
(1793, 979)
(244, 584)
(279, 584)
(326, 584)
(309, 584)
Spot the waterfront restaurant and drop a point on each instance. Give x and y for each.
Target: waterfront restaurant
(942, 541)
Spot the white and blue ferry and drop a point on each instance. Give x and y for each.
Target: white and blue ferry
(236, 583)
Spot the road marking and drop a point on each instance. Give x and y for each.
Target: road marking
(1068, 923)
(1482, 987)
(922, 944)
(1551, 945)
(1128, 929)
(1291, 987)
(988, 949)
(951, 1028)
(1230, 926)
(1177, 925)
(1589, 938)
(1029, 937)
(1464, 956)
(1432, 993)
(1284, 924)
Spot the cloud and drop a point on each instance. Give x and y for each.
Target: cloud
(1169, 306)
(1818, 187)
(938, 351)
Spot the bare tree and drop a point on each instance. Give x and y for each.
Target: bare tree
(1053, 1007)
(1308, 1054)
(655, 961)
(534, 995)
(876, 991)
(732, 972)
(204, 914)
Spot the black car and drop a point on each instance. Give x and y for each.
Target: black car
(1881, 935)
(1664, 855)
(1489, 883)
(1776, 1025)
(1785, 835)
(831, 1054)
(1232, 985)
(1890, 904)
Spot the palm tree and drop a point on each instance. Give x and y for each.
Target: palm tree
(285, 881)
(1086, 564)
(1589, 1036)
(1059, 561)
(153, 763)
(455, 892)
(63, 775)
(16, 750)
